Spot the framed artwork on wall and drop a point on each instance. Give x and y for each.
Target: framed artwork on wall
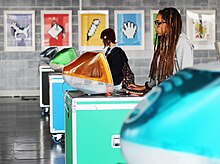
(91, 24)
(200, 28)
(19, 30)
(153, 15)
(56, 28)
(129, 28)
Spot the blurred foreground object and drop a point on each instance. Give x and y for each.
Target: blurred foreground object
(89, 73)
(177, 122)
(62, 58)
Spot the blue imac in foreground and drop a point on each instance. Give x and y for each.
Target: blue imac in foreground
(178, 122)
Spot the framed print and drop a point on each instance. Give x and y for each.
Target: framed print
(19, 30)
(129, 28)
(56, 28)
(200, 28)
(91, 24)
(153, 15)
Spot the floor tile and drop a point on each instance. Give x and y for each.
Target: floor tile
(25, 136)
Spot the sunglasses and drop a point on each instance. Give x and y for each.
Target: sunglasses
(157, 23)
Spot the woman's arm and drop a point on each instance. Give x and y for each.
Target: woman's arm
(136, 87)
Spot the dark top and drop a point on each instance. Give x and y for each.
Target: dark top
(116, 59)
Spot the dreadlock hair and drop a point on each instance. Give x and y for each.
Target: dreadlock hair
(165, 48)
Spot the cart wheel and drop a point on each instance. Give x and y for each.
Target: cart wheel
(57, 141)
(57, 138)
(45, 111)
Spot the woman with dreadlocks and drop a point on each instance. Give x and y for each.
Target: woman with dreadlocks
(172, 52)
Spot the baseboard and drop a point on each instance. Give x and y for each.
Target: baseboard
(19, 93)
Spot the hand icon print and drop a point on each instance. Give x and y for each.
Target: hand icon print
(129, 30)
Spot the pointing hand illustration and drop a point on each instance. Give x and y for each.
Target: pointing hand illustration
(129, 29)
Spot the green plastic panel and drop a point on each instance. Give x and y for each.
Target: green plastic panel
(94, 136)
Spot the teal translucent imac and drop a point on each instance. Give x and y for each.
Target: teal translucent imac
(176, 122)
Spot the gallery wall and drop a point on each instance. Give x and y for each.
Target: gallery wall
(19, 69)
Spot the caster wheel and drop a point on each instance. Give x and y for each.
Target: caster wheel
(57, 138)
(45, 111)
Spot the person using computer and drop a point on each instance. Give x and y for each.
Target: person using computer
(172, 49)
(117, 60)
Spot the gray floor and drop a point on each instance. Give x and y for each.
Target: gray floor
(24, 134)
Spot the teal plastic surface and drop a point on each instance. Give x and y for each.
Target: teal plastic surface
(182, 114)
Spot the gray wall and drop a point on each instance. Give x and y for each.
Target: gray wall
(19, 70)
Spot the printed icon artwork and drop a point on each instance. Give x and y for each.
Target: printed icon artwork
(200, 28)
(56, 29)
(91, 24)
(129, 25)
(19, 30)
(92, 29)
(129, 28)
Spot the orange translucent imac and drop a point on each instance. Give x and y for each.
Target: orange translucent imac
(89, 73)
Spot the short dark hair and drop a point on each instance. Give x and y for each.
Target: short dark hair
(108, 34)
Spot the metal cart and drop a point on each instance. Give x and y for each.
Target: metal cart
(44, 70)
(57, 89)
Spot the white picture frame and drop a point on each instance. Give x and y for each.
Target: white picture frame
(130, 29)
(56, 29)
(91, 24)
(19, 30)
(200, 28)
